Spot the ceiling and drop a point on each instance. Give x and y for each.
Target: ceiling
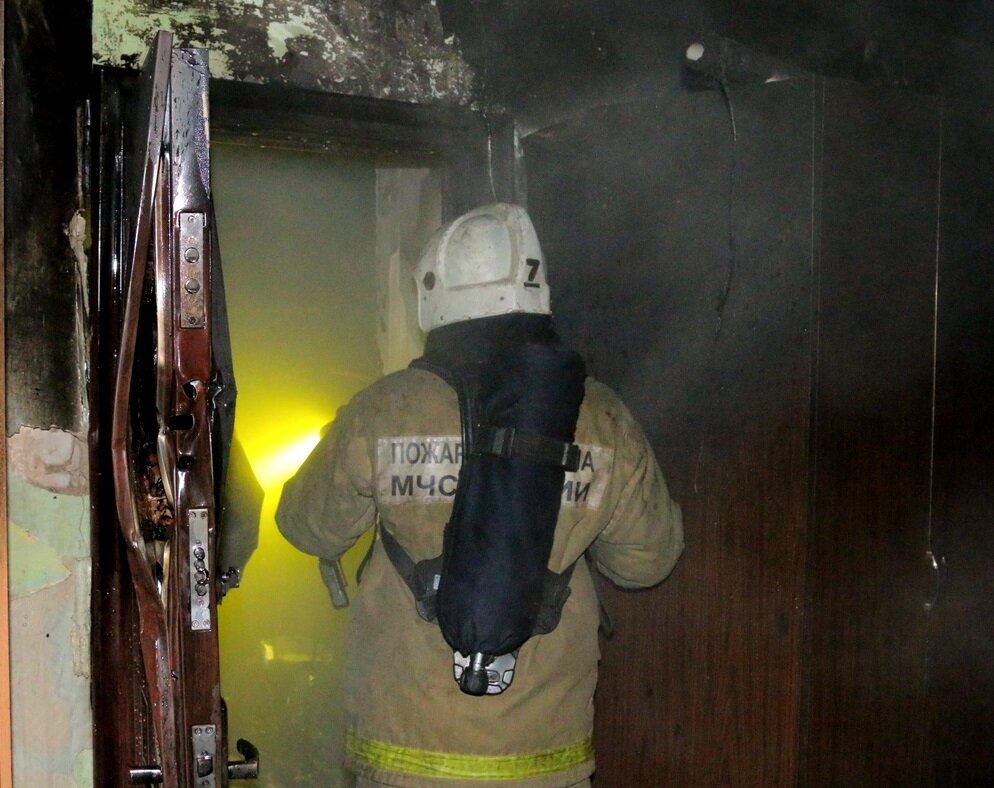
(529, 53)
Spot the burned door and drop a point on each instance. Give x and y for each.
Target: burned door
(164, 378)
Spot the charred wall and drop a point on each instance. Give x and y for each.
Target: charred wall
(46, 76)
(787, 280)
(961, 653)
(393, 49)
(686, 282)
(869, 571)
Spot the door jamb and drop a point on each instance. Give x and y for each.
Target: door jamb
(6, 744)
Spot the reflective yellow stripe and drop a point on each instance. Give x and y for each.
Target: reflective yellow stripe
(426, 763)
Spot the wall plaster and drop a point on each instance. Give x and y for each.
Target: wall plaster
(50, 564)
(393, 49)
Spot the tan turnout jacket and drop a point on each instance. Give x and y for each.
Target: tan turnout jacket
(394, 453)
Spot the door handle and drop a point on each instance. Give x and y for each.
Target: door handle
(247, 769)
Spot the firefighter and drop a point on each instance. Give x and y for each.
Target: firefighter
(528, 508)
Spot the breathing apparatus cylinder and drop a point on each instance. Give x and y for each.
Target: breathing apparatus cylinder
(498, 541)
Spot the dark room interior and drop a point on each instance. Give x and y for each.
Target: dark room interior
(769, 227)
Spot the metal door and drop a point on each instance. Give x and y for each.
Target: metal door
(160, 302)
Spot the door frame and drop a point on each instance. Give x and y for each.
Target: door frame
(462, 141)
(6, 742)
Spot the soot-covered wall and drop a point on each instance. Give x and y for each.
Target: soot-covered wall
(791, 306)
(46, 79)
(392, 49)
(689, 289)
(785, 275)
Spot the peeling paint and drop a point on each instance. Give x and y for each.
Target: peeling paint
(53, 740)
(49, 537)
(381, 48)
(279, 32)
(50, 572)
(53, 459)
(35, 564)
(78, 233)
(79, 241)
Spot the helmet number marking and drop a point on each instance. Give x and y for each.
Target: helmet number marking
(533, 266)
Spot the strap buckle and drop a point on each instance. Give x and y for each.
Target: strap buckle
(509, 442)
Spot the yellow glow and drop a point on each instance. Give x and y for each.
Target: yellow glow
(274, 466)
(302, 314)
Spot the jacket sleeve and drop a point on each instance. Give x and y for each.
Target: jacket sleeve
(328, 503)
(644, 536)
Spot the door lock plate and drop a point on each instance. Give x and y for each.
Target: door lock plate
(191, 270)
(200, 570)
(204, 756)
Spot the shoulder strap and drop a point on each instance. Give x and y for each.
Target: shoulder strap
(467, 409)
(422, 578)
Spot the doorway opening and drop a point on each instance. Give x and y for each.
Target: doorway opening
(317, 253)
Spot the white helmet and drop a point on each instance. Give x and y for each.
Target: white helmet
(487, 262)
